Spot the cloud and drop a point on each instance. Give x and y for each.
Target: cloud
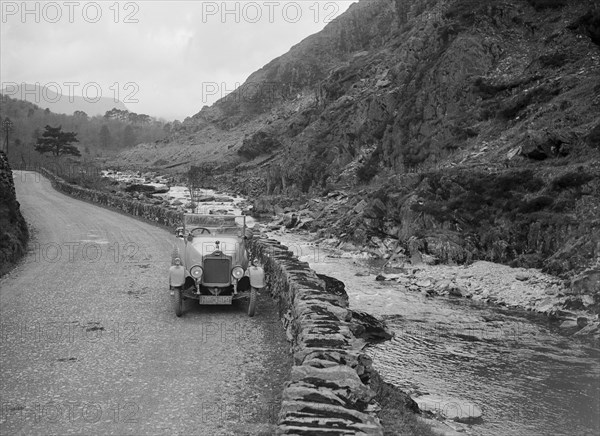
(167, 49)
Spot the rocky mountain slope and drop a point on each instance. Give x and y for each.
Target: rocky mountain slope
(14, 233)
(461, 129)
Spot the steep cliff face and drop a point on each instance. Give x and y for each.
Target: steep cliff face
(468, 126)
(13, 233)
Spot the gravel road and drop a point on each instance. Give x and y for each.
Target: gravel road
(90, 343)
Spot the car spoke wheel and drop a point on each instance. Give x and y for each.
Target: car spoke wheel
(252, 301)
(178, 302)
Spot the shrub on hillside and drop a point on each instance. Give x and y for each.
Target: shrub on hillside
(589, 24)
(555, 59)
(593, 138)
(259, 143)
(369, 168)
(536, 204)
(540, 5)
(570, 180)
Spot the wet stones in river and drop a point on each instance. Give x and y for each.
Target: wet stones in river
(450, 408)
(449, 287)
(369, 328)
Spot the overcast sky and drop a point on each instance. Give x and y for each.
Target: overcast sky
(173, 57)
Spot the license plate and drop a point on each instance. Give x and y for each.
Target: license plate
(216, 299)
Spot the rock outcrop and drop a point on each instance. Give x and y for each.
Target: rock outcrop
(14, 233)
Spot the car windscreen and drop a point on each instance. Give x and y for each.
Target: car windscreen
(225, 224)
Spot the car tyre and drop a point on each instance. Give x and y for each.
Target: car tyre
(178, 302)
(252, 301)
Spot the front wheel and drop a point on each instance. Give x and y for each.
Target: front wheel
(178, 302)
(252, 302)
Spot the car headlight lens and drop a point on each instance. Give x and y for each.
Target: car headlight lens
(237, 272)
(196, 272)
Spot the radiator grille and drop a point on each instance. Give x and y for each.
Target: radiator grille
(217, 270)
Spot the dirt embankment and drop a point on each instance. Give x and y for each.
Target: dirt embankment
(14, 233)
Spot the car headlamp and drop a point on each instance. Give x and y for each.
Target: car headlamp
(237, 272)
(196, 272)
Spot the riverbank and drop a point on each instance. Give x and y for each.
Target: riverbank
(573, 305)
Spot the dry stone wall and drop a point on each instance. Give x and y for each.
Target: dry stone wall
(155, 214)
(328, 392)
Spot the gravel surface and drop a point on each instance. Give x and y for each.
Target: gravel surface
(90, 343)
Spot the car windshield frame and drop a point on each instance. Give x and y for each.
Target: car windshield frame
(217, 224)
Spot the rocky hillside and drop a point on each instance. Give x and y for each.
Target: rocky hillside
(14, 233)
(463, 129)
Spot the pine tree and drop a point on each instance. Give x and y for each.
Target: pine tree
(57, 142)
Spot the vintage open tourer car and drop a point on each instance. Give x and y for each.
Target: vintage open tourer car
(210, 263)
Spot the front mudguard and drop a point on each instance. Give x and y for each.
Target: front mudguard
(176, 276)
(257, 276)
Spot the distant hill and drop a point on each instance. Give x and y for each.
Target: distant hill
(65, 103)
(98, 135)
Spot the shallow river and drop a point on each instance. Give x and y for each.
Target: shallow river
(525, 377)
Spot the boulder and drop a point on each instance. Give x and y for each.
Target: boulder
(290, 220)
(376, 209)
(522, 277)
(224, 199)
(455, 291)
(360, 207)
(450, 408)
(569, 324)
(367, 327)
(588, 282)
(582, 321)
(159, 188)
(335, 287)
(305, 223)
(590, 329)
(205, 198)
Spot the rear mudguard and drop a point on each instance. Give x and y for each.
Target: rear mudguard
(176, 276)
(257, 276)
